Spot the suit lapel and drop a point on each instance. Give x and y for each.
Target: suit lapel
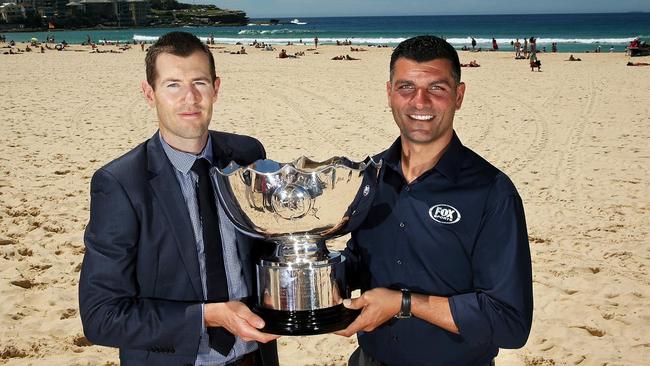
(167, 191)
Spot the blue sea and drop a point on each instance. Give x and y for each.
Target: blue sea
(572, 32)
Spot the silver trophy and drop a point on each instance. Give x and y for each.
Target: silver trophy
(297, 206)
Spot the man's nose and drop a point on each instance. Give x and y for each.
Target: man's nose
(421, 99)
(192, 95)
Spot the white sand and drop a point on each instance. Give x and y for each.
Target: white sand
(574, 139)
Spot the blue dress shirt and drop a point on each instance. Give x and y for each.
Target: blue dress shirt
(237, 288)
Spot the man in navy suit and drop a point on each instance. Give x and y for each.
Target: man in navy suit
(143, 284)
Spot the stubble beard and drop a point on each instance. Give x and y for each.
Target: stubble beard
(413, 137)
(185, 131)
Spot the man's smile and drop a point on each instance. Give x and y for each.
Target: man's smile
(421, 117)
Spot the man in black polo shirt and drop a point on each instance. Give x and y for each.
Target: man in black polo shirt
(442, 259)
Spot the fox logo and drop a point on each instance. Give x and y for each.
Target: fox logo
(444, 214)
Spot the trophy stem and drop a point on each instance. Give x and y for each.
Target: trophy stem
(301, 249)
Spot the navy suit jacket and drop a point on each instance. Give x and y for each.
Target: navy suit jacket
(140, 287)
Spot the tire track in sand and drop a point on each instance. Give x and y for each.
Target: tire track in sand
(566, 168)
(540, 135)
(307, 117)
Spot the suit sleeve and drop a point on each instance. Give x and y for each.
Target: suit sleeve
(112, 312)
(501, 309)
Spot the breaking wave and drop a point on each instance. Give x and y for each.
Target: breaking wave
(252, 32)
(267, 36)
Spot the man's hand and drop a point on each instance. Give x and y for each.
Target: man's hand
(377, 306)
(237, 319)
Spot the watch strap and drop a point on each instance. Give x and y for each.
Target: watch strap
(405, 309)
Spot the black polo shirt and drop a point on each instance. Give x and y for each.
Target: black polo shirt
(457, 231)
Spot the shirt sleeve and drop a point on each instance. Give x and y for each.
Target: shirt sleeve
(203, 328)
(357, 273)
(351, 264)
(500, 309)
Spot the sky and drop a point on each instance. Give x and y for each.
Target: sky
(323, 8)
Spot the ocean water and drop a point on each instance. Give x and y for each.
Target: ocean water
(572, 32)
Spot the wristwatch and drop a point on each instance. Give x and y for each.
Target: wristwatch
(405, 310)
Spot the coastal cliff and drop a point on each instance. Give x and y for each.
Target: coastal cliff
(88, 14)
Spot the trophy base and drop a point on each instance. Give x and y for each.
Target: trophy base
(306, 322)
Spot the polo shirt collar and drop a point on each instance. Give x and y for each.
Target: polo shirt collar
(183, 161)
(449, 164)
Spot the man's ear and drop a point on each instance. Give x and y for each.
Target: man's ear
(388, 91)
(217, 83)
(148, 92)
(460, 94)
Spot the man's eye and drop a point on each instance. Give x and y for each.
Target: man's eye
(200, 83)
(172, 85)
(405, 87)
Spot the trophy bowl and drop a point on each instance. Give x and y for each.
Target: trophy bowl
(297, 206)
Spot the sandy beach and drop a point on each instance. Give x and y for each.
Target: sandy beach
(573, 138)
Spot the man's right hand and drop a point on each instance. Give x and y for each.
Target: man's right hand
(238, 319)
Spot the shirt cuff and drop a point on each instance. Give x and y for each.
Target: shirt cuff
(469, 318)
(203, 330)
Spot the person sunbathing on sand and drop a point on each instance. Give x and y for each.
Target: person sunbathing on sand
(571, 58)
(346, 57)
(630, 63)
(472, 63)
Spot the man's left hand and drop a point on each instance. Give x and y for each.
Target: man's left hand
(377, 306)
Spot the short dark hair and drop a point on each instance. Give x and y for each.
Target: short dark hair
(181, 44)
(426, 48)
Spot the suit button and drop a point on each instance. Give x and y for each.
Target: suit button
(401, 224)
